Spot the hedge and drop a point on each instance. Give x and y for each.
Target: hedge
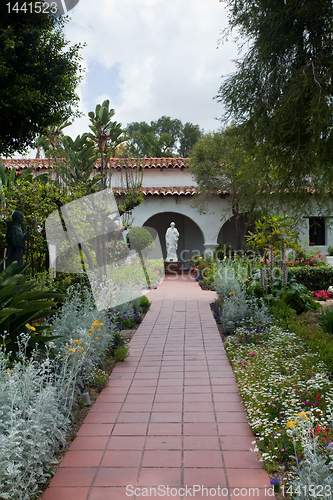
(314, 278)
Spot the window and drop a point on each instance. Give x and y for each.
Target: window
(316, 231)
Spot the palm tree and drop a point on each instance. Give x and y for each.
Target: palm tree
(107, 134)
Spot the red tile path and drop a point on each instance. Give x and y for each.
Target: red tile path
(170, 416)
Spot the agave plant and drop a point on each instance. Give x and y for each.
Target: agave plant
(20, 305)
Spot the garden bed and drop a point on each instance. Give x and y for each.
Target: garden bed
(283, 382)
(80, 412)
(283, 363)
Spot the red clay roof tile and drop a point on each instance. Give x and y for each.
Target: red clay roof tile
(42, 165)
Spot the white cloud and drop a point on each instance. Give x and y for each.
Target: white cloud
(166, 57)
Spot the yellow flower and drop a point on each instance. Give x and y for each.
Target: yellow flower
(71, 349)
(30, 327)
(101, 324)
(231, 293)
(75, 340)
(303, 415)
(96, 338)
(96, 323)
(89, 334)
(291, 424)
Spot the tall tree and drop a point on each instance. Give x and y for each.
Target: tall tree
(39, 73)
(222, 166)
(189, 136)
(164, 137)
(106, 134)
(282, 90)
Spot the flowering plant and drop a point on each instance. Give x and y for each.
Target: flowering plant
(305, 258)
(204, 267)
(280, 383)
(321, 295)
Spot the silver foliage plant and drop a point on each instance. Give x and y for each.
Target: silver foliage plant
(238, 309)
(313, 476)
(37, 395)
(228, 277)
(35, 400)
(75, 322)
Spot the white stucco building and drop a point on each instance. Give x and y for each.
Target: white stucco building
(169, 190)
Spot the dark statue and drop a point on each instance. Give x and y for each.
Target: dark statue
(15, 240)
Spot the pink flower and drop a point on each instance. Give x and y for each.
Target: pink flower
(252, 354)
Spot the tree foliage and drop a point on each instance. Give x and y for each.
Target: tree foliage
(77, 165)
(276, 231)
(106, 134)
(222, 166)
(39, 72)
(161, 138)
(282, 90)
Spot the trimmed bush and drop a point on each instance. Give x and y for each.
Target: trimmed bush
(314, 278)
(139, 238)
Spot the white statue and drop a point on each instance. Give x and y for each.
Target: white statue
(171, 240)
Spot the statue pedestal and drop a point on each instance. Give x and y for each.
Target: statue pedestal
(173, 268)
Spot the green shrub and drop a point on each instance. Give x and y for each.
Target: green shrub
(314, 278)
(297, 296)
(121, 353)
(21, 304)
(139, 238)
(326, 320)
(144, 302)
(100, 378)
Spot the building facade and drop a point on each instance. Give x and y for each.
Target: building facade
(169, 196)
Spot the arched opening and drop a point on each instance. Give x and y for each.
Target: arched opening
(231, 235)
(191, 240)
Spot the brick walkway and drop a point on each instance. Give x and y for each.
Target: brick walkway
(170, 415)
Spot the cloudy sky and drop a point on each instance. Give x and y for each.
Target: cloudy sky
(152, 58)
